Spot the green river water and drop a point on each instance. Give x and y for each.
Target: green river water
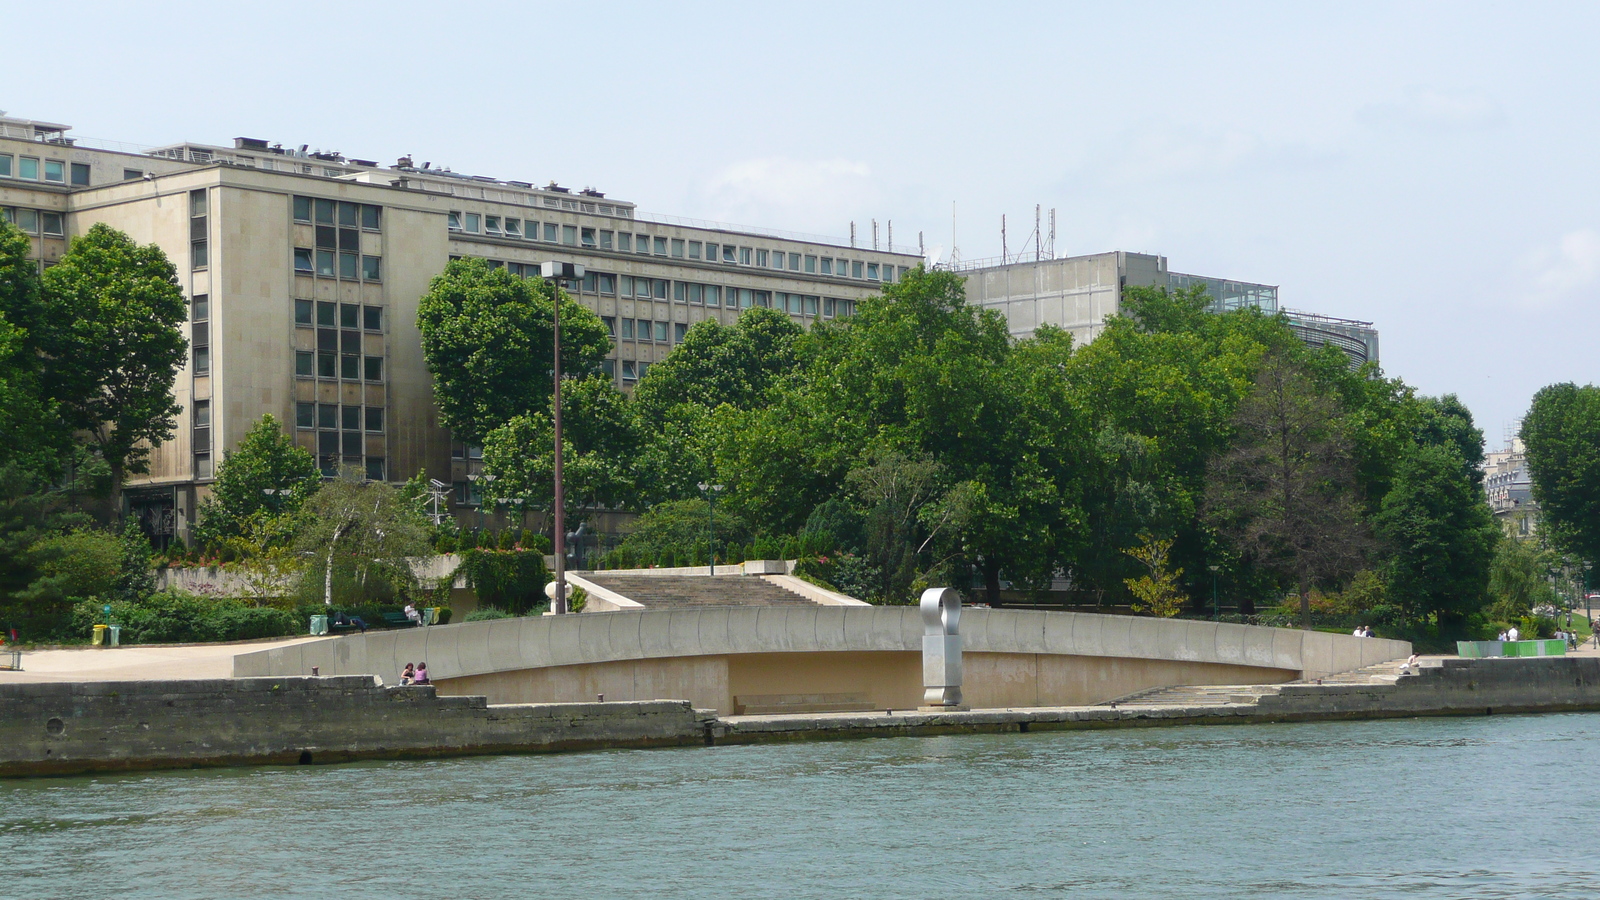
(1503, 806)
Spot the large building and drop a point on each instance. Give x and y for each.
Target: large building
(1077, 293)
(1509, 487)
(303, 272)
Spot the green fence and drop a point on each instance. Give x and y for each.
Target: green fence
(1486, 649)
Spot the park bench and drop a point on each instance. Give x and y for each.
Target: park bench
(398, 620)
(346, 625)
(777, 704)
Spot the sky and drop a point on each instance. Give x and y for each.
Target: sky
(1430, 168)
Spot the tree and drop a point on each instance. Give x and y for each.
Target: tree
(266, 477)
(1284, 491)
(488, 339)
(31, 433)
(368, 528)
(715, 364)
(113, 346)
(1156, 591)
(1562, 434)
(1519, 578)
(1441, 535)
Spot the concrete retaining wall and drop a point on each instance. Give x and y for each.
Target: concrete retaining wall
(63, 728)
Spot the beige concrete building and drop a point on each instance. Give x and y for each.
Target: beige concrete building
(1077, 293)
(303, 271)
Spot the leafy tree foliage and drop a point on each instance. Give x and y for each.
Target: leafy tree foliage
(488, 338)
(364, 530)
(1156, 591)
(1562, 435)
(112, 345)
(598, 441)
(1519, 578)
(1441, 535)
(266, 477)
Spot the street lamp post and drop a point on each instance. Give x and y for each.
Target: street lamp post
(1216, 610)
(711, 491)
(1588, 608)
(560, 273)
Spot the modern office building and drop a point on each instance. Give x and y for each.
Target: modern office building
(303, 272)
(1077, 293)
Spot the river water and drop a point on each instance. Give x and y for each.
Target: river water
(1504, 806)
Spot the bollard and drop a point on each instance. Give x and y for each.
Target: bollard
(941, 649)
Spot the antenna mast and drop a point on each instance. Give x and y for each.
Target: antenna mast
(1005, 252)
(1038, 236)
(1052, 250)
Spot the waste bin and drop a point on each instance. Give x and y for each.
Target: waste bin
(99, 638)
(319, 624)
(116, 635)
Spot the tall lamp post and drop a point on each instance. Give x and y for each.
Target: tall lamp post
(1216, 610)
(711, 491)
(1588, 609)
(560, 273)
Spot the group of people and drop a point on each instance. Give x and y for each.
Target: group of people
(1362, 631)
(1510, 634)
(415, 674)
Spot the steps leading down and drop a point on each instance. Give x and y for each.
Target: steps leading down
(682, 591)
(1251, 694)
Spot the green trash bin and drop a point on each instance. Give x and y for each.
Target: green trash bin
(319, 624)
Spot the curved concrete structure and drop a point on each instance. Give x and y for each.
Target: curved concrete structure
(713, 656)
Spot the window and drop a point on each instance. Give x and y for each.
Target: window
(374, 368)
(374, 418)
(811, 265)
(661, 331)
(302, 209)
(202, 360)
(827, 266)
(677, 248)
(678, 331)
(132, 174)
(810, 306)
(80, 174)
(305, 415)
(591, 282)
(370, 217)
(5, 165)
(872, 271)
(349, 315)
(347, 265)
(569, 235)
(327, 364)
(350, 418)
(372, 268)
(198, 257)
(473, 223)
(202, 465)
(680, 291)
(611, 325)
(794, 262)
(304, 363)
(744, 256)
(661, 246)
(744, 298)
(659, 286)
(589, 239)
(202, 413)
(28, 220)
(727, 253)
(694, 250)
(763, 299)
(327, 415)
(324, 212)
(644, 368)
(55, 171)
(350, 368)
(609, 366)
(454, 221)
(605, 240)
(374, 468)
(627, 329)
(696, 293)
(514, 228)
(302, 260)
(625, 242)
(608, 284)
(327, 313)
(28, 167)
(51, 223)
(630, 370)
(200, 306)
(855, 269)
(325, 263)
(372, 318)
(550, 232)
(761, 258)
(302, 312)
(491, 225)
(713, 295)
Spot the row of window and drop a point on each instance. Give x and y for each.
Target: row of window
(333, 364)
(676, 248)
(337, 212)
(50, 171)
(347, 265)
(645, 329)
(34, 221)
(333, 417)
(328, 314)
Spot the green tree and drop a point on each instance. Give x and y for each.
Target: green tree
(266, 477)
(1562, 434)
(715, 364)
(31, 433)
(599, 438)
(488, 339)
(1155, 591)
(1520, 578)
(1284, 493)
(369, 530)
(1441, 536)
(113, 346)
(681, 526)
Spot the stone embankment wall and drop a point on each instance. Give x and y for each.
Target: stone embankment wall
(1454, 687)
(65, 728)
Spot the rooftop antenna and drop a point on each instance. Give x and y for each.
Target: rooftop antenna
(1038, 236)
(1052, 249)
(874, 234)
(921, 250)
(891, 235)
(1005, 251)
(955, 249)
(852, 234)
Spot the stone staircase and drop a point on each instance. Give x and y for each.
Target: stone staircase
(1214, 695)
(685, 591)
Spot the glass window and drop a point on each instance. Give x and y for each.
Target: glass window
(374, 418)
(372, 268)
(374, 368)
(605, 239)
(678, 331)
(569, 235)
(609, 366)
(350, 368)
(202, 465)
(28, 220)
(590, 282)
(349, 315)
(202, 360)
(302, 259)
(713, 295)
(872, 271)
(761, 257)
(51, 224)
(349, 239)
(197, 203)
(588, 238)
(327, 237)
(811, 264)
(5, 165)
(777, 259)
(855, 269)
(374, 468)
(727, 253)
(454, 221)
(28, 167)
(325, 263)
(473, 223)
(697, 293)
(327, 364)
(302, 312)
(810, 307)
(661, 331)
(200, 307)
(324, 212)
(763, 298)
(369, 217)
(304, 363)
(347, 265)
(827, 266)
(350, 341)
(350, 418)
(349, 214)
(641, 243)
(372, 318)
(608, 284)
(514, 228)
(198, 255)
(611, 325)
(491, 224)
(680, 291)
(694, 250)
(80, 174)
(327, 313)
(305, 415)
(794, 262)
(132, 174)
(625, 242)
(327, 415)
(627, 329)
(630, 370)
(550, 232)
(677, 248)
(659, 286)
(661, 246)
(302, 209)
(744, 256)
(644, 368)
(55, 170)
(202, 413)
(744, 298)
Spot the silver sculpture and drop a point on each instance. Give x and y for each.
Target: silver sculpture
(941, 648)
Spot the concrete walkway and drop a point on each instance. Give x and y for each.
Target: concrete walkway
(135, 663)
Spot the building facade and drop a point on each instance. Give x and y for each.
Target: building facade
(1077, 293)
(1509, 488)
(304, 270)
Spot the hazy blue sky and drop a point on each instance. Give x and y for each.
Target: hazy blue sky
(1431, 168)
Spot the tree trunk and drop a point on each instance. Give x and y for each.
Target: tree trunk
(991, 582)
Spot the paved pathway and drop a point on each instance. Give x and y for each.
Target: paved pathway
(135, 663)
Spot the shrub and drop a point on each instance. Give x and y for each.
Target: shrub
(511, 580)
(486, 613)
(444, 616)
(171, 617)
